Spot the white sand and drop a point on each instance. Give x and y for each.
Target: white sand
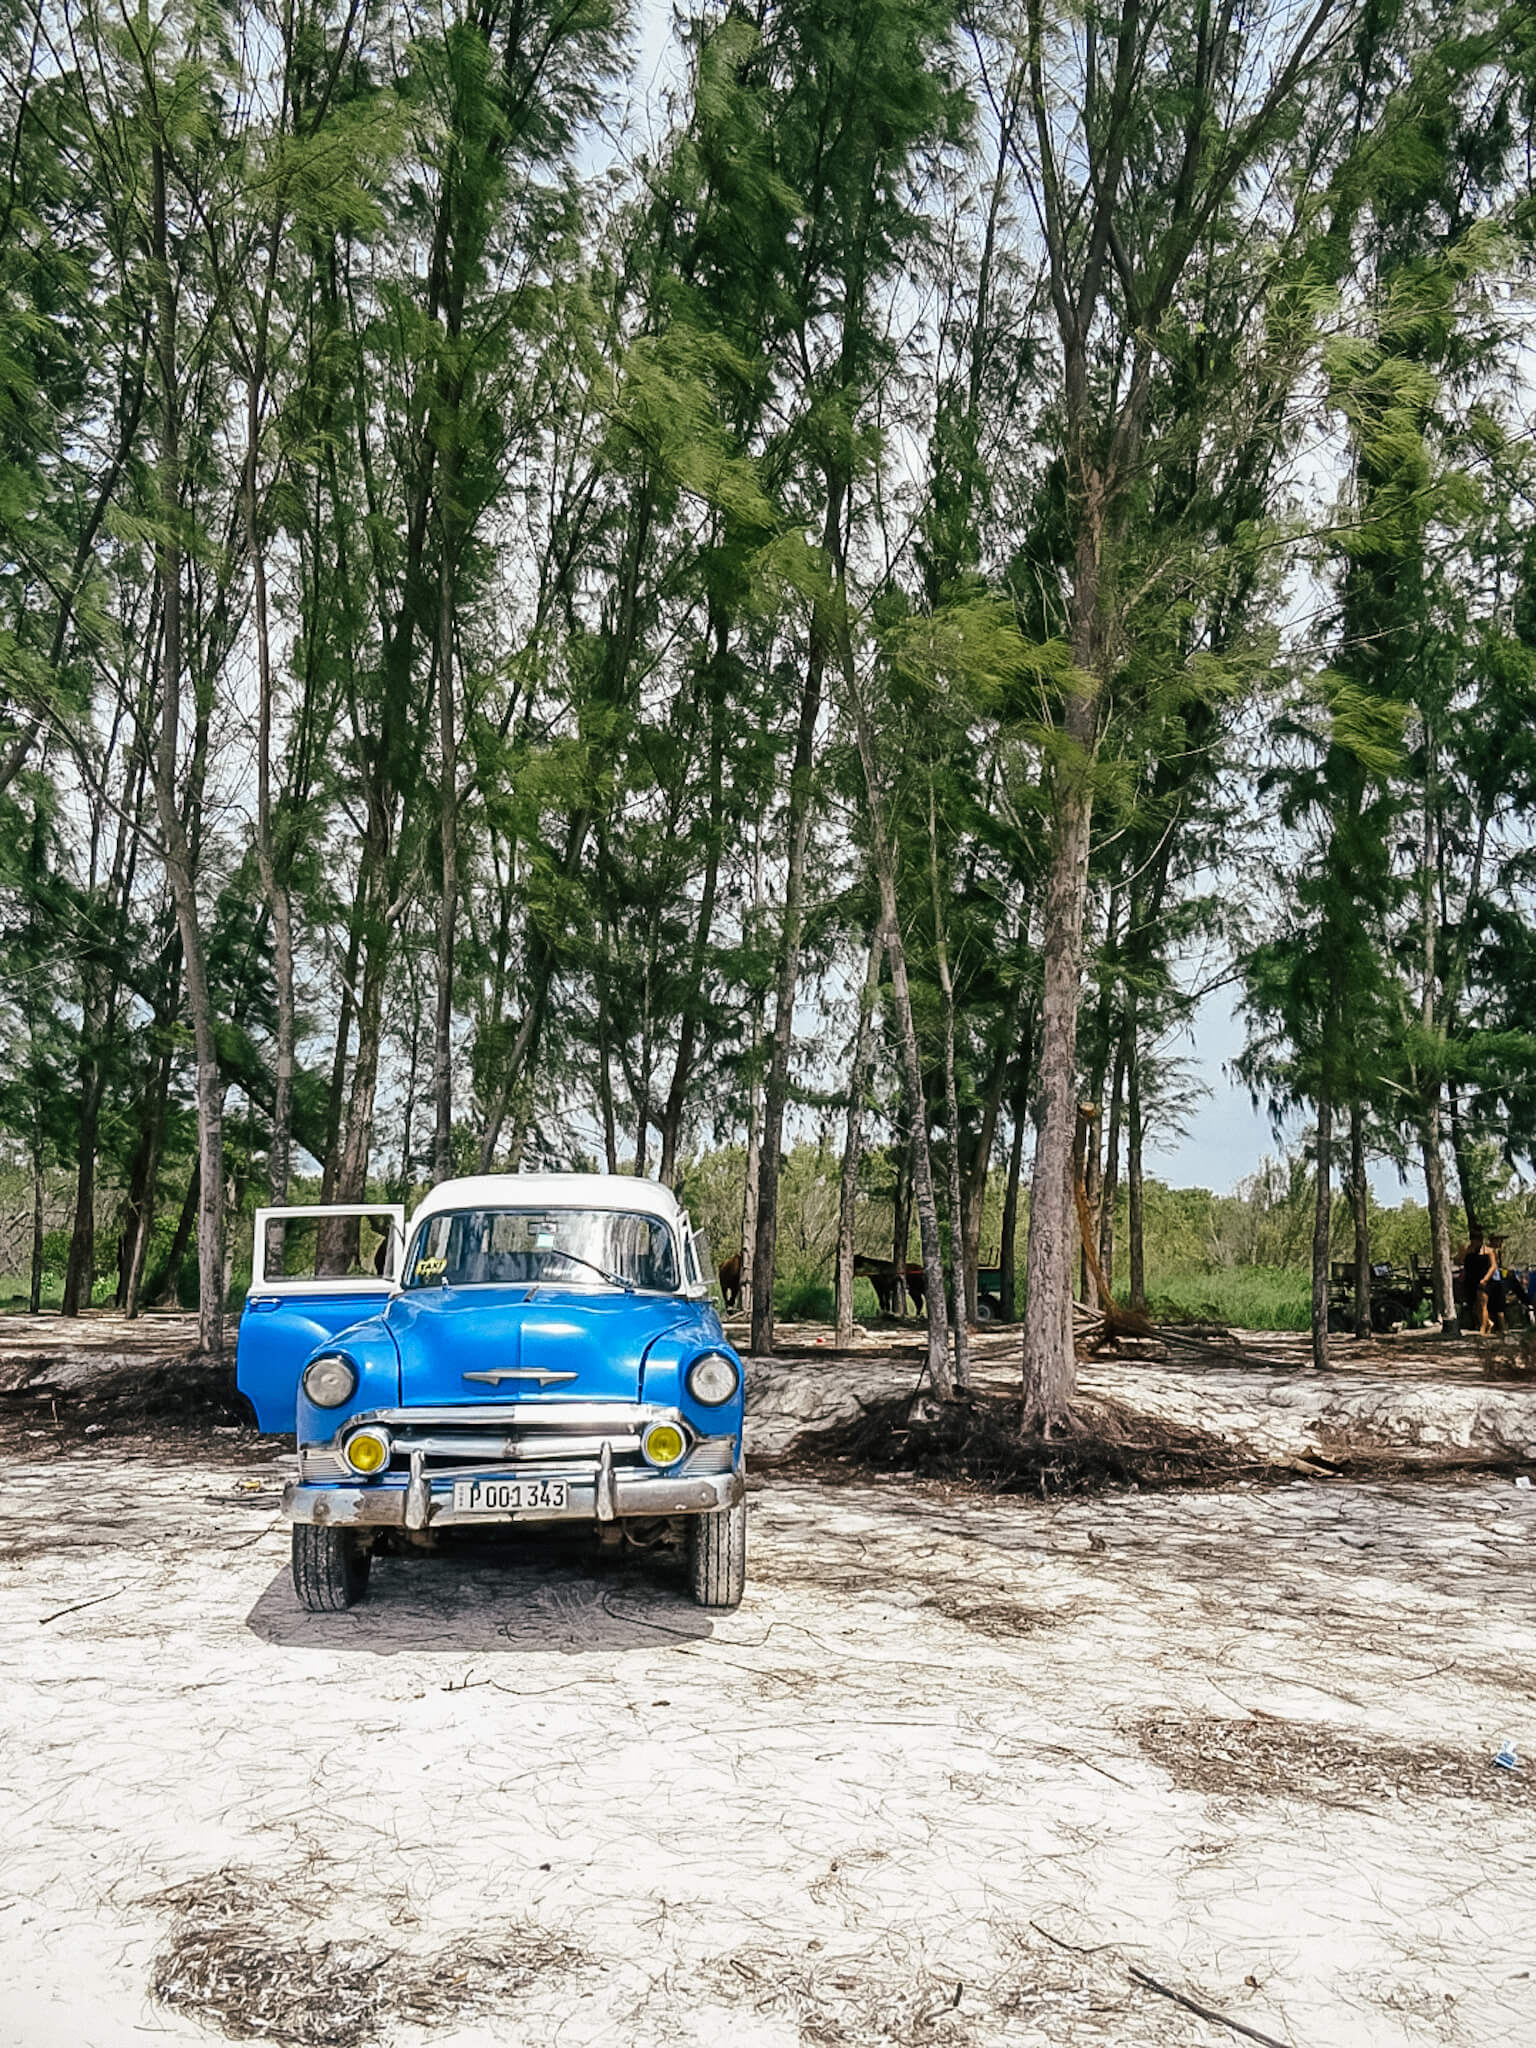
(906, 1763)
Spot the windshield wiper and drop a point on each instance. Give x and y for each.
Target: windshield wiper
(613, 1279)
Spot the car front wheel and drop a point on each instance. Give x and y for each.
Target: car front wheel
(330, 1568)
(717, 1556)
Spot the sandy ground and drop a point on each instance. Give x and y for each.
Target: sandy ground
(954, 1772)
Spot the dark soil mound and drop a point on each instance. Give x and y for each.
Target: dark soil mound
(194, 1393)
(980, 1442)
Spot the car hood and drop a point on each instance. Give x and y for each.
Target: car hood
(445, 1334)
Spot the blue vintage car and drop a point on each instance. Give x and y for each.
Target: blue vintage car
(535, 1348)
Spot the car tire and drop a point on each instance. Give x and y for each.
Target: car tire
(330, 1568)
(717, 1557)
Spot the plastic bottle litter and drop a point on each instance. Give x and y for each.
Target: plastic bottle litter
(1506, 1759)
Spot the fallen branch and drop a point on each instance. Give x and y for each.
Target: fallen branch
(1205, 2012)
(44, 1619)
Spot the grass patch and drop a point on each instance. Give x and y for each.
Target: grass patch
(1239, 1297)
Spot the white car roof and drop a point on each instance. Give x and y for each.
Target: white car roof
(552, 1191)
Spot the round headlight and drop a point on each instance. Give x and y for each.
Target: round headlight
(367, 1452)
(330, 1379)
(663, 1443)
(713, 1378)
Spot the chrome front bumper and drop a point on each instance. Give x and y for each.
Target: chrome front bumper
(601, 1492)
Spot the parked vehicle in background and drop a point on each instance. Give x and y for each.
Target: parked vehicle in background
(1397, 1295)
(535, 1348)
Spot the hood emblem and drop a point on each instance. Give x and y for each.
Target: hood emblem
(494, 1379)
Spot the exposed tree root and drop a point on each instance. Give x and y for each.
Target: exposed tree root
(986, 1442)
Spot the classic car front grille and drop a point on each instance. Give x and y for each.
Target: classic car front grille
(470, 1449)
(525, 1433)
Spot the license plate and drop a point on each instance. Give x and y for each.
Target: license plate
(506, 1496)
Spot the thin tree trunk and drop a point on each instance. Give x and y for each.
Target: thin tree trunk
(922, 1171)
(853, 1144)
(962, 1335)
(80, 1272)
(1007, 1252)
(1322, 1230)
(1110, 1193)
(605, 1088)
(1136, 1219)
(35, 1290)
(170, 1282)
(342, 1236)
(1441, 1280)
(776, 1084)
(975, 1194)
(142, 1194)
(1050, 1363)
(687, 1035)
(336, 1095)
(753, 1181)
(1439, 1209)
(448, 892)
(1463, 1158)
(274, 888)
(901, 1220)
(168, 553)
(939, 1372)
(1359, 1199)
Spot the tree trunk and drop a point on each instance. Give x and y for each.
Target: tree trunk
(776, 1084)
(1008, 1256)
(605, 1088)
(1322, 1230)
(901, 1220)
(1136, 1219)
(141, 1197)
(1110, 1192)
(975, 1193)
(168, 556)
(1050, 1362)
(853, 1142)
(754, 1105)
(80, 1273)
(448, 891)
(274, 886)
(1359, 1200)
(922, 1171)
(922, 1168)
(1441, 1281)
(341, 1236)
(962, 1334)
(1463, 1158)
(1439, 1213)
(753, 1179)
(170, 1281)
(35, 1290)
(688, 1028)
(336, 1095)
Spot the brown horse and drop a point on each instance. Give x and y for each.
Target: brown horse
(730, 1283)
(888, 1283)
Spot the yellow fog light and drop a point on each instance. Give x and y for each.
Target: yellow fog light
(663, 1443)
(367, 1452)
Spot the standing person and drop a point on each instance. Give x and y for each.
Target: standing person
(1478, 1267)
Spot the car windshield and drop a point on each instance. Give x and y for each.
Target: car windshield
(520, 1247)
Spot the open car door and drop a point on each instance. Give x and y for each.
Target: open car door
(308, 1282)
